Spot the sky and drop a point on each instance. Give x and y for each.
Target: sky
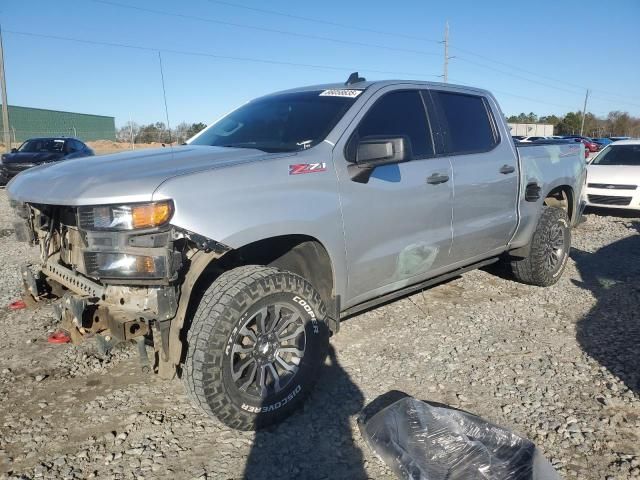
(217, 54)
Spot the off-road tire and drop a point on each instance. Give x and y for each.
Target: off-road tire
(536, 269)
(217, 322)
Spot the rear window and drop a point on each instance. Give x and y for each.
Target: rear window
(467, 123)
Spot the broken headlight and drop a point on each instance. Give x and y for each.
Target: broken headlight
(123, 265)
(125, 217)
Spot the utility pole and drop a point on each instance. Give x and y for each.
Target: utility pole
(5, 107)
(131, 133)
(584, 112)
(446, 52)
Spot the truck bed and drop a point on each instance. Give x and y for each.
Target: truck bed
(544, 166)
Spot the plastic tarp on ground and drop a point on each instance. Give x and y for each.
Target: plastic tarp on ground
(424, 442)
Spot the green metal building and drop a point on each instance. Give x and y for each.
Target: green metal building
(25, 122)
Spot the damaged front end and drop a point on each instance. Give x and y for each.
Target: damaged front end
(115, 272)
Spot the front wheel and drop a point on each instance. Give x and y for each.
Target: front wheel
(255, 345)
(549, 250)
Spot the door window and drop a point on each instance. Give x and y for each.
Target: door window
(70, 147)
(466, 121)
(399, 113)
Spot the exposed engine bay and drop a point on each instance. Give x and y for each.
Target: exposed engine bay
(113, 272)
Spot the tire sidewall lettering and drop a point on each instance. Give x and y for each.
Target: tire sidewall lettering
(291, 393)
(307, 308)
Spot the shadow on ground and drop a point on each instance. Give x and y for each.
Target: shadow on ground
(317, 442)
(616, 212)
(610, 332)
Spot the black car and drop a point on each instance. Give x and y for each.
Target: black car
(37, 151)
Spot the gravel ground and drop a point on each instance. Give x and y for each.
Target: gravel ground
(558, 365)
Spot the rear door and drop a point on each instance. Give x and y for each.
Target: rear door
(397, 225)
(485, 173)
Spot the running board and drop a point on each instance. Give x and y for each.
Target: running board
(414, 288)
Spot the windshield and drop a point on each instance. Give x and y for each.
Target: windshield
(50, 145)
(280, 123)
(619, 155)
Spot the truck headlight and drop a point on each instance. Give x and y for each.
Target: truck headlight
(122, 265)
(125, 217)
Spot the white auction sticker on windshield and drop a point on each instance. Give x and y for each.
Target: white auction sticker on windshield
(341, 93)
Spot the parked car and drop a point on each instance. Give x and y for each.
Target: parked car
(239, 253)
(533, 139)
(617, 139)
(38, 151)
(613, 178)
(588, 143)
(517, 138)
(603, 142)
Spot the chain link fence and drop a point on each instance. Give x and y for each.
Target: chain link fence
(128, 137)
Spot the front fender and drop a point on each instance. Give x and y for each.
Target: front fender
(242, 204)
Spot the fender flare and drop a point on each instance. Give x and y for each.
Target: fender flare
(198, 264)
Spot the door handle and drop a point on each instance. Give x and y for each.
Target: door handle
(506, 169)
(437, 178)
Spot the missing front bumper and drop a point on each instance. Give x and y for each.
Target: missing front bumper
(87, 308)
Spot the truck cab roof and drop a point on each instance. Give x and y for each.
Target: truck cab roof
(378, 84)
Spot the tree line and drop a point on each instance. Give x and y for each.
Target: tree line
(157, 132)
(615, 124)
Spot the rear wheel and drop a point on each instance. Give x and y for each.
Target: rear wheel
(255, 345)
(549, 250)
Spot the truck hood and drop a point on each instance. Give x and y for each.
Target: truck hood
(122, 177)
(614, 174)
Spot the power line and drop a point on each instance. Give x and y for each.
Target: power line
(601, 99)
(515, 75)
(509, 65)
(530, 72)
(410, 37)
(214, 55)
(324, 22)
(534, 100)
(265, 29)
(284, 63)
(547, 85)
(258, 60)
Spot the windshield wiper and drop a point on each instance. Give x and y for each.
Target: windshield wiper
(240, 145)
(264, 148)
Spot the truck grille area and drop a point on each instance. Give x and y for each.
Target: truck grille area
(609, 200)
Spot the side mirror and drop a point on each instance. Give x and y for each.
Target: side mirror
(14, 150)
(374, 151)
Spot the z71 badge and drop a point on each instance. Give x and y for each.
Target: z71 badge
(300, 168)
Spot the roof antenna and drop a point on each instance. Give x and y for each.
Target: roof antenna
(354, 78)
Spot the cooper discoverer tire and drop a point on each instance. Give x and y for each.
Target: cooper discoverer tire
(549, 250)
(255, 344)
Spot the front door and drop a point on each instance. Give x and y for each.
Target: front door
(398, 224)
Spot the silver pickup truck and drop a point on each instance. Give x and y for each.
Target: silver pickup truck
(237, 254)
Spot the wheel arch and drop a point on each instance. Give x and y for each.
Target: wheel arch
(303, 255)
(562, 196)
